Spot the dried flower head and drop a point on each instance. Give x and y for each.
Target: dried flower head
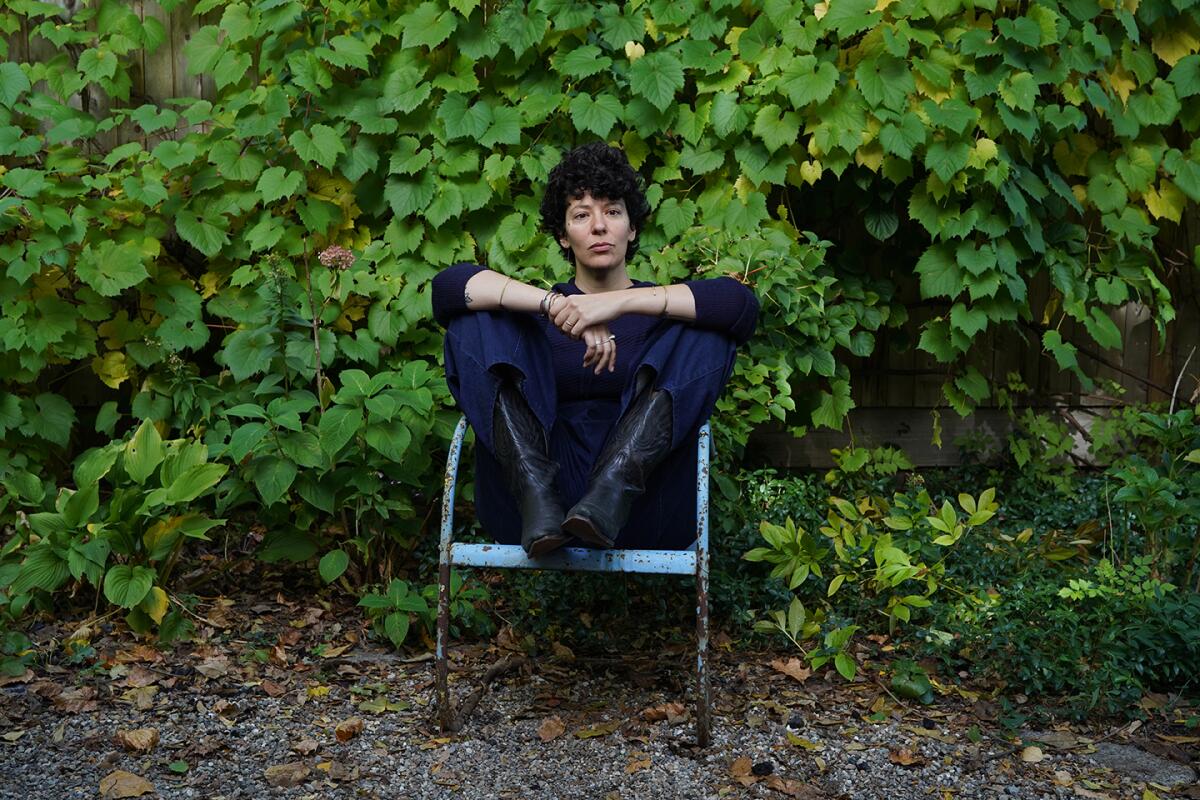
(336, 257)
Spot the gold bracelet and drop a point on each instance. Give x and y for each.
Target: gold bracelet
(666, 298)
(502, 290)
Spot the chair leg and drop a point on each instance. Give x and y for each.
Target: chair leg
(444, 708)
(703, 721)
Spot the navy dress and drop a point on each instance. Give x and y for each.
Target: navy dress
(690, 360)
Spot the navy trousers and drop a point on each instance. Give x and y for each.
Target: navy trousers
(689, 363)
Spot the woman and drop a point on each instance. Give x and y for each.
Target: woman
(587, 398)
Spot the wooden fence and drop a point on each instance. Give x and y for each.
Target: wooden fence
(896, 388)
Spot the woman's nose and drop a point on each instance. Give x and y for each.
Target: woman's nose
(599, 223)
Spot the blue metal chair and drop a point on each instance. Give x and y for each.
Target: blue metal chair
(693, 561)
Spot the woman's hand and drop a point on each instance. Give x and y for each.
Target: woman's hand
(602, 348)
(573, 314)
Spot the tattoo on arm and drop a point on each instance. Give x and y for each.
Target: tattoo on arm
(467, 296)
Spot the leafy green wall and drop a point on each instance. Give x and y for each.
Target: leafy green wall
(966, 150)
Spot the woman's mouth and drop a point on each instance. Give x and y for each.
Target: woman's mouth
(602, 247)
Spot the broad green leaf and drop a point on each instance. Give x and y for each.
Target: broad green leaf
(885, 81)
(657, 77)
(596, 114)
(13, 83)
(427, 26)
(144, 452)
(939, 272)
(582, 62)
(201, 233)
(127, 585)
(273, 476)
(806, 80)
(42, 568)
(776, 129)
(338, 425)
(320, 146)
(333, 564)
(111, 268)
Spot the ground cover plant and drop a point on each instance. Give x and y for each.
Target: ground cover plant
(244, 280)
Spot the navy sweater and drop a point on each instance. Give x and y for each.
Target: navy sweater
(722, 304)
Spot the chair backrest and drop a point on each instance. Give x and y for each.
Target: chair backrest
(587, 559)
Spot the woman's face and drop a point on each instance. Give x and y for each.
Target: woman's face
(598, 232)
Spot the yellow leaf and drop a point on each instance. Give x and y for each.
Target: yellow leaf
(983, 152)
(1080, 192)
(811, 171)
(1167, 202)
(743, 187)
(935, 93)
(820, 10)
(1174, 43)
(112, 368)
(210, 284)
(870, 156)
(155, 604)
(634, 51)
(1123, 83)
(882, 5)
(318, 691)
(805, 743)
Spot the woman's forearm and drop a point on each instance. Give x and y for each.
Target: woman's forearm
(674, 301)
(488, 291)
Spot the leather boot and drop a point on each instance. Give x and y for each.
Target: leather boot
(640, 442)
(523, 454)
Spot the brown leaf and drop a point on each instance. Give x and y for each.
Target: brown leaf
(794, 668)
(120, 783)
(142, 697)
(214, 666)
(551, 728)
(74, 701)
(139, 676)
(347, 729)
(671, 712)
(273, 689)
(562, 652)
(1032, 755)
(789, 787)
(306, 747)
(905, 757)
(140, 652)
(637, 766)
(141, 740)
(287, 775)
(599, 729)
(24, 677)
(741, 767)
(1063, 778)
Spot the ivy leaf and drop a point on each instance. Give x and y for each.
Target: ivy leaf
(203, 50)
(675, 216)
(201, 234)
(727, 115)
(1019, 91)
(1063, 352)
(1106, 192)
(235, 162)
(1156, 104)
(885, 81)
(617, 28)
(13, 83)
(504, 129)
(774, 129)
(582, 62)
(461, 121)
(1185, 174)
(447, 204)
(848, 17)
(427, 26)
(881, 223)
(832, 409)
(806, 80)
(657, 77)
(409, 195)
(596, 114)
(1102, 329)
(902, 137)
(111, 268)
(277, 183)
(947, 158)
(940, 273)
(1185, 76)
(249, 352)
(968, 321)
(322, 146)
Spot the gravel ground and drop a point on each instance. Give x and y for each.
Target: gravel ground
(563, 728)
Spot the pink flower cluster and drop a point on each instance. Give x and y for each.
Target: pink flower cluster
(336, 257)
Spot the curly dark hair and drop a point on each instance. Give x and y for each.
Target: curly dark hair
(604, 173)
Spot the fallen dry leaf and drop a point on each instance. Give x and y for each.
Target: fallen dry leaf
(562, 652)
(1063, 778)
(347, 729)
(306, 747)
(1179, 739)
(599, 729)
(742, 771)
(140, 740)
(213, 667)
(74, 701)
(794, 668)
(273, 689)
(141, 697)
(551, 728)
(1032, 755)
(788, 787)
(120, 783)
(671, 712)
(637, 766)
(905, 757)
(287, 775)
(1082, 792)
(139, 676)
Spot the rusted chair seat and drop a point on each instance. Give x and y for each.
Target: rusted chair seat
(693, 561)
